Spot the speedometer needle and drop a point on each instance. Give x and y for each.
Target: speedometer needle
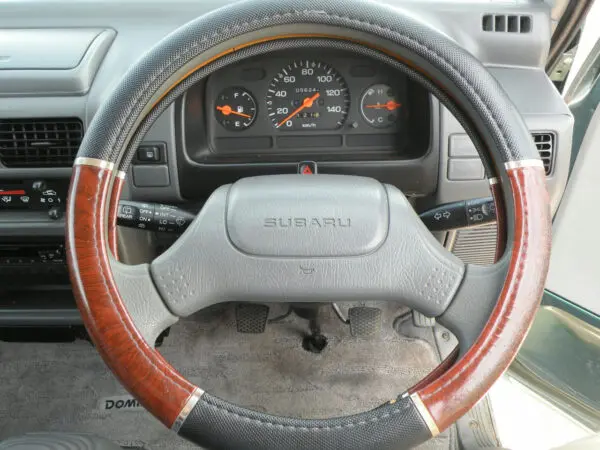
(390, 106)
(226, 110)
(306, 103)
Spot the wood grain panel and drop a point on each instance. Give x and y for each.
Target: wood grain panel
(450, 396)
(140, 368)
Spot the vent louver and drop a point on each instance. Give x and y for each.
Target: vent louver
(506, 23)
(39, 142)
(545, 145)
(476, 245)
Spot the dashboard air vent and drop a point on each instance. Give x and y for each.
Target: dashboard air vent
(39, 142)
(545, 145)
(506, 23)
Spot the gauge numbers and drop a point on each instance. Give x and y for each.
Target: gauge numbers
(308, 95)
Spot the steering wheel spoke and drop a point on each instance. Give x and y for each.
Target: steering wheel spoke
(474, 301)
(144, 304)
(322, 238)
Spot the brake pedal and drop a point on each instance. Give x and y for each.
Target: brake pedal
(364, 321)
(251, 318)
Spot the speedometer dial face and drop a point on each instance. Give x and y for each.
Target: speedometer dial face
(308, 95)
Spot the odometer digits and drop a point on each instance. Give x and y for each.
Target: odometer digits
(308, 95)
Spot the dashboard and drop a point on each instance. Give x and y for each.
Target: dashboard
(316, 104)
(347, 112)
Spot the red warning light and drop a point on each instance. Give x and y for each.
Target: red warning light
(307, 168)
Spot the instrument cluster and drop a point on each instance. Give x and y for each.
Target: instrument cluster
(326, 105)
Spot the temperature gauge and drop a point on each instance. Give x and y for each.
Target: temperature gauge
(235, 109)
(380, 106)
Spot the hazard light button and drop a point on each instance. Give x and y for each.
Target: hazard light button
(307, 168)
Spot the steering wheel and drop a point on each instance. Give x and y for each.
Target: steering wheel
(358, 238)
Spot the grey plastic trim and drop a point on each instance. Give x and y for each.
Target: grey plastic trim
(163, 130)
(143, 303)
(473, 303)
(558, 121)
(44, 48)
(39, 317)
(34, 223)
(401, 268)
(62, 79)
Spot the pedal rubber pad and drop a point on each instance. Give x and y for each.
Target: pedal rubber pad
(251, 318)
(364, 321)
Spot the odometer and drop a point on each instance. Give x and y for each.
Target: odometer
(308, 95)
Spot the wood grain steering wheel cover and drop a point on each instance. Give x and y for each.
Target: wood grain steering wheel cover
(165, 393)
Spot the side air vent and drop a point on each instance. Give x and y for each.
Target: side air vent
(506, 23)
(39, 142)
(545, 145)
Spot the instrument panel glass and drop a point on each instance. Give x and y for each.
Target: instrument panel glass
(307, 95)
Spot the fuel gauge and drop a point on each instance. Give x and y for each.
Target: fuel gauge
(235, 109)
(380, 106)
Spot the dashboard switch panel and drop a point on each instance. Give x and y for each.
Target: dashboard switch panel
(151, 153)
(34, 195)
(148, 153)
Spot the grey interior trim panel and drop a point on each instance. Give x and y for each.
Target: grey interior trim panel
(40, 317)
(51, 61)
(542, 108)
(14, 223)
(144, 305)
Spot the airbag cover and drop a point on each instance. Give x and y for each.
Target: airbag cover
(307, 215)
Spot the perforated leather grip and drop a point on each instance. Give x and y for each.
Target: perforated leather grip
(394, 426)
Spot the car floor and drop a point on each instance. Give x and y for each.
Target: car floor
(67, 387)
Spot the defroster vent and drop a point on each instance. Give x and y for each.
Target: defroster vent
(39, 142)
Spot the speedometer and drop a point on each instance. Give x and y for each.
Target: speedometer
(308, 95)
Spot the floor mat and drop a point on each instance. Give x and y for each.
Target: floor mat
(66, 387)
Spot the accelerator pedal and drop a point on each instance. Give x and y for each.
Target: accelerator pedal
(251, 318)
(364, 321)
